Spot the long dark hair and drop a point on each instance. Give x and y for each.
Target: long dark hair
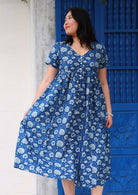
(85, 31)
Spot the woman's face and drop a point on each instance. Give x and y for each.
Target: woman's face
(70, 25)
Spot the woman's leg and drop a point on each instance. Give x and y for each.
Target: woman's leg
(97, 191)
(68, 186)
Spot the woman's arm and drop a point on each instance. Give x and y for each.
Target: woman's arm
(48, 78)
(105, 88)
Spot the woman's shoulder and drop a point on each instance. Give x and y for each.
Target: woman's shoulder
(61, 46)
(57, 46)
(99, 45)
(60, 43)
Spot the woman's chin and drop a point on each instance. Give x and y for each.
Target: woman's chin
(68, 33)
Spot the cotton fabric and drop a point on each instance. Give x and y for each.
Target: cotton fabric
(64, 134)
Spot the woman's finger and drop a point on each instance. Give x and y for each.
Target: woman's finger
(109, 123)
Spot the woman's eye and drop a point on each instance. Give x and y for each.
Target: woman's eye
(68, 18)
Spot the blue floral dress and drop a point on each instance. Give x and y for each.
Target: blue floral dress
(64, 134)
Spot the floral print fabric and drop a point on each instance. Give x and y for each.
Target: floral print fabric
(64, 134)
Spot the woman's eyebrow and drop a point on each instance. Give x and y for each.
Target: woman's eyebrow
(68, 16)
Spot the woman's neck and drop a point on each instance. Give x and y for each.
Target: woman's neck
(76, 43)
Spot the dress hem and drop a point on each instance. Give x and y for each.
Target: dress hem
(56, 177)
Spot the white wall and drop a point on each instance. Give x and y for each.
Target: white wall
(43, 14)
(17, 89)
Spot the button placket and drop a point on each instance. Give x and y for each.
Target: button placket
(79, 79)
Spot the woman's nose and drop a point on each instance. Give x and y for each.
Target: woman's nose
(65, 22)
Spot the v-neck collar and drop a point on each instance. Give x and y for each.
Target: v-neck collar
(77, 53)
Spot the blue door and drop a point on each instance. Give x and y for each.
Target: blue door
(116, 25)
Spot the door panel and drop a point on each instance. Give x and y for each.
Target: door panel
(121, 38)
(116, 26)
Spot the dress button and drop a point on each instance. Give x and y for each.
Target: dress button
(80, 70)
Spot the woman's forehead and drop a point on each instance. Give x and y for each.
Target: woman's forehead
(68, 14)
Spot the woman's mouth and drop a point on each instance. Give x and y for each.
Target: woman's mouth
(66, 27)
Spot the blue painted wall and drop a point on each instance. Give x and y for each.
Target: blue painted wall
(116, 26)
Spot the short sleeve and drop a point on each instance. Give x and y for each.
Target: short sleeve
(104, 62)
(53, 57)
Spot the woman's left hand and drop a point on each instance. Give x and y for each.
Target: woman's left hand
(109, 121)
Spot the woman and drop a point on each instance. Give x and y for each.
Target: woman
(64, 134)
